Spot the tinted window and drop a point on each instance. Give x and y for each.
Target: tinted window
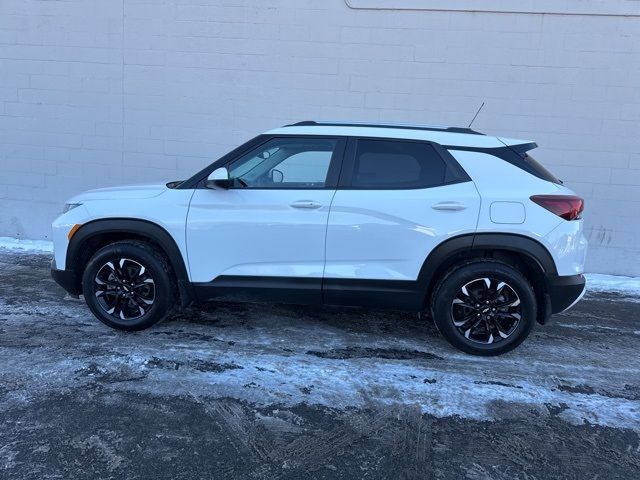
(284, 163)
(517, 156)
(395, 164)
(536, 168)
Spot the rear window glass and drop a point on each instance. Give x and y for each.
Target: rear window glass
(392, 164)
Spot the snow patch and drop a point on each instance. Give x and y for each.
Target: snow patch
(598, 282)
(26, 245)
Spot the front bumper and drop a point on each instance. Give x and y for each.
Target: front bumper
(566, 291)
(66, 279)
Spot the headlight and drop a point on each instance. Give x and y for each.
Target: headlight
(70, 206)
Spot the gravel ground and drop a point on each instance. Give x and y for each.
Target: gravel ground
(255, 391)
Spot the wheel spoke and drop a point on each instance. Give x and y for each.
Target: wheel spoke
(146, 282)
(471, 328)
(148, 302)
(117, 307)
(461, 322)
(136, 302)
(509, 303)
(457, 301)
(499, 289)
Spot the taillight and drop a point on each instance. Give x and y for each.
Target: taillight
(568, 207)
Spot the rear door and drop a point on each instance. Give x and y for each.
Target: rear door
(396, 201)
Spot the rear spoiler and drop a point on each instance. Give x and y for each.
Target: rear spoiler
(521, 147)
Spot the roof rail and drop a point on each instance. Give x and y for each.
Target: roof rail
(433, 128)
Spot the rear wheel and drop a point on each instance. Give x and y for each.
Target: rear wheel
(484, 307)
(128, 285)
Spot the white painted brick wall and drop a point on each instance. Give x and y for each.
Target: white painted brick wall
(100, 92)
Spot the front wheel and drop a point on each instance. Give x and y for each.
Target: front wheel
(484, 307)
(127, 285)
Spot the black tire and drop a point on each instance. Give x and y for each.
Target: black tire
(508, 309)
(134, 279)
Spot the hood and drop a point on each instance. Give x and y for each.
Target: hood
(120, 193)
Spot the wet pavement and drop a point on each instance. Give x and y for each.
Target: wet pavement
(266, 392)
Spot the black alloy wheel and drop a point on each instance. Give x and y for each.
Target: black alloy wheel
(125, 289)
(129, 285)
(486, 310)
(484, 307)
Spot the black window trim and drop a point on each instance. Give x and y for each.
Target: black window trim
(452, 167)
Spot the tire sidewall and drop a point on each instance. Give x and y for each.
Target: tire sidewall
(153, 264)
(451, 285)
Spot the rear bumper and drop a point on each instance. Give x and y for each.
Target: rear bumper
(66, 279)
(566, 291)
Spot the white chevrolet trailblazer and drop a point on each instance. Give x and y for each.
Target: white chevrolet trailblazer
(444, 220)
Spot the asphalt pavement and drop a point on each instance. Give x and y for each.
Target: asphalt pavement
(277, 391)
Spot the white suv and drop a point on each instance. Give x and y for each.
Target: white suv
(446, 220)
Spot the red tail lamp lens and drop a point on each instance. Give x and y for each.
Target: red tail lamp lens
(568, 207)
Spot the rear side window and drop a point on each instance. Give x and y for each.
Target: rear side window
(387, 164)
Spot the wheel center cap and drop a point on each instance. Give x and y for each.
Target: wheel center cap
(486, 310)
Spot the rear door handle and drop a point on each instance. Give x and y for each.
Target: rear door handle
(306, 204)
(449, 206)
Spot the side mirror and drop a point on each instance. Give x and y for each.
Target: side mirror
(219, 178)
(277, 176)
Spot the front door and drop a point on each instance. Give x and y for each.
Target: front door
(265, 236)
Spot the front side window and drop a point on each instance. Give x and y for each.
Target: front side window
(389, 164)
(284, 163)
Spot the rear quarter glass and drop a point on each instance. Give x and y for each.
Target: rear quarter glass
(537, 169)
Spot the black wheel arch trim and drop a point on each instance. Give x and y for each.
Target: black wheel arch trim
(520, 244)
(439, 255)
(474, 242)
(139, 228)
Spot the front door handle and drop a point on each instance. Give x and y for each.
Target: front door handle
(449, 206)
(306, 204)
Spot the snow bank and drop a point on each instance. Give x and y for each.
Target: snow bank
(598, 282)
(26, 245)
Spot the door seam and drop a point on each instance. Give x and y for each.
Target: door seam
(326, 236)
